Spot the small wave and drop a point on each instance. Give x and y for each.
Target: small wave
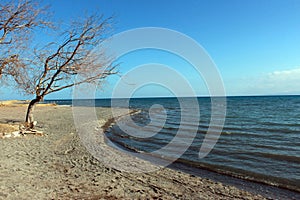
(246, 175)
(279, 157)
(257, 142)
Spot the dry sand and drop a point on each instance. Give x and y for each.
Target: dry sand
(58, 166)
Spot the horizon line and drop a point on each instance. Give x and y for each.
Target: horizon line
(205, 96)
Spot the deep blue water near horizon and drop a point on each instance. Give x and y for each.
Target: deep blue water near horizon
(260, 139)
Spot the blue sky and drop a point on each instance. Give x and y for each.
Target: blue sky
(254, 43)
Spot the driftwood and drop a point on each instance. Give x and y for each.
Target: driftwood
(10, 135)
(32, 131)
(27, 128)
(24, 129)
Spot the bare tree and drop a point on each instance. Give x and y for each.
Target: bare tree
(17, 21)
(58, 63)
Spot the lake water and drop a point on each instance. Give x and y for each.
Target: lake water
(260, 139)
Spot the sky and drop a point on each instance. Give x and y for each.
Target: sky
(255, 44)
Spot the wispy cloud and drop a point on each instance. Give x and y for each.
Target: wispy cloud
(277, 82)
(285, 75)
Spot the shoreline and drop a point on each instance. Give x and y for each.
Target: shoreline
(240, 176)
(58, 166)
(250, 185)
(260, 187)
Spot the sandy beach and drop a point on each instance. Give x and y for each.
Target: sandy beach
(58, 166)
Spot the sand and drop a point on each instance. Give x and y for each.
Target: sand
(58, 166)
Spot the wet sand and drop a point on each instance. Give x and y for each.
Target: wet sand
(58, 166)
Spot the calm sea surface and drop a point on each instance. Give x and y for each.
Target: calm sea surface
(260, 139)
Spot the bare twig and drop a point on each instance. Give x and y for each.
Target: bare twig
(18, 19)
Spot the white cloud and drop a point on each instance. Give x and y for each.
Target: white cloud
(277, 82)
(285, 75)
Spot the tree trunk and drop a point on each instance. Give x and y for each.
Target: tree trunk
(29, 115)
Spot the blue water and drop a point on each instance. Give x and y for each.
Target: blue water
(260, 139)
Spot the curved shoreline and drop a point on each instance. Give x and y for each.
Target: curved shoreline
(58, 166)
(262, 187)
(241, 182)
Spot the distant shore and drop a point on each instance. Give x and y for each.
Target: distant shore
(17, 103)
(58, 166)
